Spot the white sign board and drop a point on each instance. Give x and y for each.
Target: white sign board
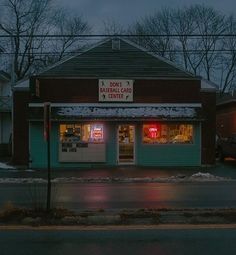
(116, 90)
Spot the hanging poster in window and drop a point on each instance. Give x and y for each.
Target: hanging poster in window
(96, 132)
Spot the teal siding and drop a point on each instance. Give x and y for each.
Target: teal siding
(169, 155)
(111, 148)
(38, 146)
(146, 155)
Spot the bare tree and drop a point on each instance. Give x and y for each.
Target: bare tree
(158, 24)
(112, 27)
(65, 23)
(184, 26)
(201, 54)
(24, 19)
(227, 65)
(210, 24)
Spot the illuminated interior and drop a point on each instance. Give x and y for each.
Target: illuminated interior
(167, 133)
(126, 143)
(89, 133)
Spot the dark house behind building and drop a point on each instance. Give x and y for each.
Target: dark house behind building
(226, 114)
(5, 113)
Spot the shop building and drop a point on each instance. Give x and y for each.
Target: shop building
(116, 104)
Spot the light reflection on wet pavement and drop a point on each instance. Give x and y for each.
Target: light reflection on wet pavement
(77, 196)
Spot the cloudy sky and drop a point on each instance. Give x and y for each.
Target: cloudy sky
(127, 11)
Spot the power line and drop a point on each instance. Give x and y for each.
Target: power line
(115, 35)
(202, 51)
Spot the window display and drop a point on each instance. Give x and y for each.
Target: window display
(82, 143)
(88, 133)
(167, 133)
(126, 143)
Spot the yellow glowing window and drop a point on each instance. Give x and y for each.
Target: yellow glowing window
(81, 133)
(167, 133)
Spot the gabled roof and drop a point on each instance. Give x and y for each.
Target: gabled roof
(227, 98)
(101, 61)
(208, 85)
(4, 76)
(22, 85)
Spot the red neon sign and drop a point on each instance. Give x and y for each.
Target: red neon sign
(152, 131)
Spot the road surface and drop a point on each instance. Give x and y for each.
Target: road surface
(77, 196)
(116, 242)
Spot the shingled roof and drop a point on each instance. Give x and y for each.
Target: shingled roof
(130, 61)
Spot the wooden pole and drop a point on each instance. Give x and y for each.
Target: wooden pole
(47, 136)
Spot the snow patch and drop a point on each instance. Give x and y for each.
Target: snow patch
(86, 111)
(5, 166)
(198, 177)
(22, 180)
(205, 177)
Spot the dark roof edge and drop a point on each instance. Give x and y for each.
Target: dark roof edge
(22, 85)
(121, 77)
(228, 101)
(21, 89)
(189, 120)
(4, 76)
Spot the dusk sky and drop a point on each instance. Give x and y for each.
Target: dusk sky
(127, 11)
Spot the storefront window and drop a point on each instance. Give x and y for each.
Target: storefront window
(89, 133)
(82, 143)
(167, 133)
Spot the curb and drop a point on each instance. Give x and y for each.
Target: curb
(115, 227)
(85, 180)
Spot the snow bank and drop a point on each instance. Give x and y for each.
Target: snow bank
(22, 180)
(5, 166)
(205, 177)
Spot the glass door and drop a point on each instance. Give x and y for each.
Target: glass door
(126, 141)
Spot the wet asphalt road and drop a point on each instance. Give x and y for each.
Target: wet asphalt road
(77, 196)
(116, 242)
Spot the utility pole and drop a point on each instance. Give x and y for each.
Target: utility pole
(47, 131)
(12, 91)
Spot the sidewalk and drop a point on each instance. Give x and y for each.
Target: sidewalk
(226, 170)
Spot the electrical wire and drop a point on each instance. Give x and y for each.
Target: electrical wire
(116, 35)
(201, 51)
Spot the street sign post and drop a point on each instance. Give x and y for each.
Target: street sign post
(47, 131)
